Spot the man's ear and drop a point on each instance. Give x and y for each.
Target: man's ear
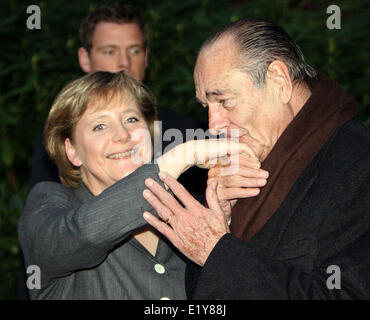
(84, 59)
(71, 153)
(279, 73)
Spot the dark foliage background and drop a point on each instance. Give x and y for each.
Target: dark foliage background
(35, 64)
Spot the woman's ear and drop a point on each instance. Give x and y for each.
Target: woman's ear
(72, 153)
(280, 76)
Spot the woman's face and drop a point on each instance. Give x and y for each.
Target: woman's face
(109, 143)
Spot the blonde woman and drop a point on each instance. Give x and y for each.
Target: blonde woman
(87, 234)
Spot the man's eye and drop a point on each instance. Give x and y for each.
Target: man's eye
(109, 52)
(226, 103)
(135, 50)
(99, 127)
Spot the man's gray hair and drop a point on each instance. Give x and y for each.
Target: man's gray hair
(261, 42)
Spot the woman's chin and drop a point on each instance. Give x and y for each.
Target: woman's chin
(127, 171)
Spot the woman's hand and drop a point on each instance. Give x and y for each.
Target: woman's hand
(203, 153)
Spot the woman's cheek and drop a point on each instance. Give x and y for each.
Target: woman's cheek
(144, 143)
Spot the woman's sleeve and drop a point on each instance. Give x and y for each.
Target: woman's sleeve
(61, 236)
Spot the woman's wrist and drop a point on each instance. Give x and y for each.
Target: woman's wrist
(177, 160)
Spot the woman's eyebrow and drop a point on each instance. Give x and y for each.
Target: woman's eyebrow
(106, 114)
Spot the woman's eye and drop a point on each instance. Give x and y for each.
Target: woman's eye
(132, 119)
(99, 127)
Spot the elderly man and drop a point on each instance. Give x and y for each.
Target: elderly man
(307, 234)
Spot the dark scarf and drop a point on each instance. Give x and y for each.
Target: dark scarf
(328, 108)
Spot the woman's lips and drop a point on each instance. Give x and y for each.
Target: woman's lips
(122, 154)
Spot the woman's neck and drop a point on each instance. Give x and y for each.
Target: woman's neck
(148, 238)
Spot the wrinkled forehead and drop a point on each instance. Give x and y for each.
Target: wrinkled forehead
(214, 64)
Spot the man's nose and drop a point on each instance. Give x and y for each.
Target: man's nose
(217, 120)
(121, 134)
(123, 61)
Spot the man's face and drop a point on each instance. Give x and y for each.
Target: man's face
(234, 103)
(116, 47)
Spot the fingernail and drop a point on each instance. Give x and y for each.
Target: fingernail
(245, 155)
(257, 165)
(149, 182)
(264, 174)
(255, 192)
(145, 215)
(162, 175)
(213, 184)
(261, 181)
(146, 194)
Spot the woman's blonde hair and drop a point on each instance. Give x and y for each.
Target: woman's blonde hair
(70, 104)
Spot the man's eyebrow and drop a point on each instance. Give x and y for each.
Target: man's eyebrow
(136, 45)
(105, 46)
(113, 46)
(214, 93)
(210, 94)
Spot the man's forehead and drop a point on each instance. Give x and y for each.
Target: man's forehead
(217, 56)
(106, 30)
(224, 43)
(211, 71)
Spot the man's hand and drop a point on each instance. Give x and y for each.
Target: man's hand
(192, 228)
(242, 178)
